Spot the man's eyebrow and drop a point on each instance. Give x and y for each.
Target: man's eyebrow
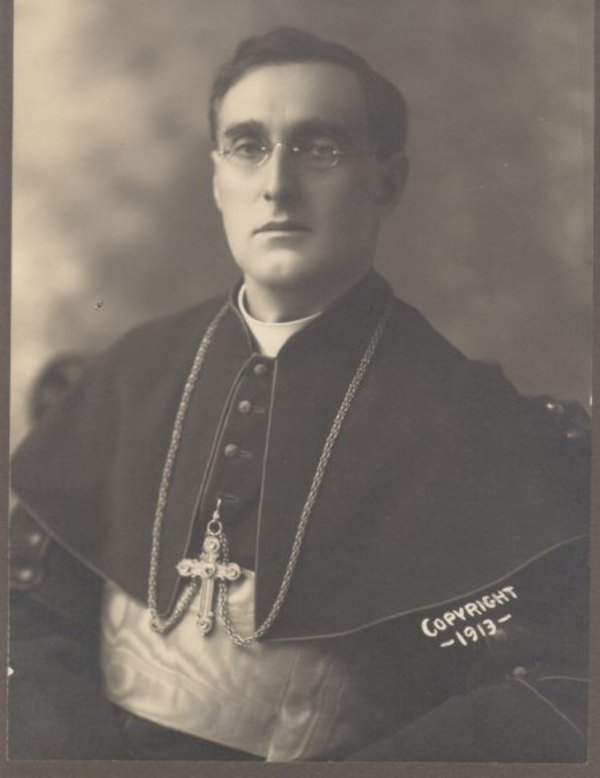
(309, 127)
(323, 127)
(244, 128)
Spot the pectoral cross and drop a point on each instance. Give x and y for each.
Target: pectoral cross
(209, 567)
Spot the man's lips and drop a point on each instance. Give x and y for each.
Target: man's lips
(282, 226)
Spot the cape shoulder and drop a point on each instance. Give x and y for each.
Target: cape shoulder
(457, 458)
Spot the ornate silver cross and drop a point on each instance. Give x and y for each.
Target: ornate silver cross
(209, 567)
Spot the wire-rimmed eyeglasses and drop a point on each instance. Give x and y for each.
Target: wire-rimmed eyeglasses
(312, 155)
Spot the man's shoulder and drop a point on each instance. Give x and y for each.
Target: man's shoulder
(476, 392)
(149, 347)
(437, 365)
(180, 326)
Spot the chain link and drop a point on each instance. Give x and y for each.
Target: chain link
(156, 622)
(163, 625)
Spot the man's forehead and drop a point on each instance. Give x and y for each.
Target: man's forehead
(290, 94)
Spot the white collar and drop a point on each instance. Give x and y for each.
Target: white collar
(271, 335)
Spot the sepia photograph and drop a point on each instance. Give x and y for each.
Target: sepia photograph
(300, 384)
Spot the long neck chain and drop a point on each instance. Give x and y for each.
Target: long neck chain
(161, 625)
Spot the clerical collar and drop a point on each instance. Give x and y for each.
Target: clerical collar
(271, 336)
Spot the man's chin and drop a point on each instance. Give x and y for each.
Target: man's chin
(288, 275)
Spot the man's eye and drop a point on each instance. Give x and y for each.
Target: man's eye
(321, 149)
(247, 149)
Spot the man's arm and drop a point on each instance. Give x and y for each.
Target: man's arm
(57, 709)
(525, 694)
(525, 697)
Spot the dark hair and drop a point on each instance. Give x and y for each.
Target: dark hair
(387, 112)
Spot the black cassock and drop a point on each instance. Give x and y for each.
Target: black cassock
(445, 487)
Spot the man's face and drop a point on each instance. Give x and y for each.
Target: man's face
(292, 227)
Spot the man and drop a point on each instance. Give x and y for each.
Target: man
(298, 524)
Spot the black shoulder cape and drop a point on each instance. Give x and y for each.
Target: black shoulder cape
(443, 480)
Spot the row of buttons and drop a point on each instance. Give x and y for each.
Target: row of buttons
(236, 475)
(244, 407)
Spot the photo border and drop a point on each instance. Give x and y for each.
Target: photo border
(178, 769)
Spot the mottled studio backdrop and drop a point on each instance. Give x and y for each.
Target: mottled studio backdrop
(112, 195)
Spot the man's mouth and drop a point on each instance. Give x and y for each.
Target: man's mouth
(287, 225)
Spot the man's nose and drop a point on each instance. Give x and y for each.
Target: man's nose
(281, 175)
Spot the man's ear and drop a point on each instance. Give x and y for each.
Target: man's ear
(393, 175)
(215, 186)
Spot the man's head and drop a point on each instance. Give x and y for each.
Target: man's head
(386, 108)
(309, 157)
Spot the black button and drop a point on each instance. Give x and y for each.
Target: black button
(34, 538)
(244, 406)
(260, 369)
(231, 450)
(26, 574)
